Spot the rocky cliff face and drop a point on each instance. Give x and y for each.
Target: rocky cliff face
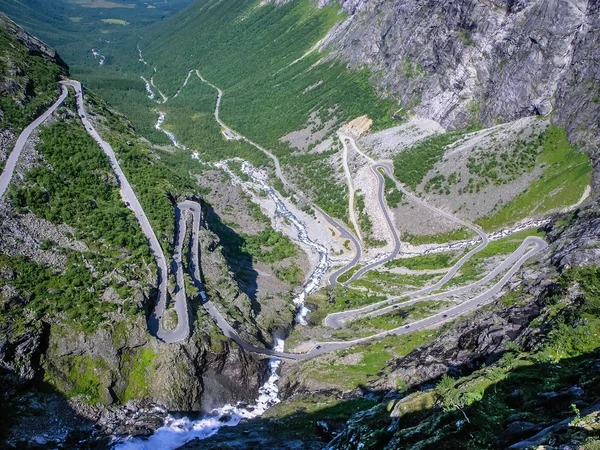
(489, 61)
(33, 44)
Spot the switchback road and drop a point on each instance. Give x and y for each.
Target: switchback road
(155, 322)
(182, 330)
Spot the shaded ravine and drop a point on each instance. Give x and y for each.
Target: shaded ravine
(314, 280)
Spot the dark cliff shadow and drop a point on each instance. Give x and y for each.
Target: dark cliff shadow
(240, 262)
(505, 405)
(34, 415)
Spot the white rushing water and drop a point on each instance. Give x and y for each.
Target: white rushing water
(171, 136)
(98, 56)
(148, 89)
(177, 431)
(141, 58)
(281, 210)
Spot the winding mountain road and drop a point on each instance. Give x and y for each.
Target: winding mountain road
(11, 162)
(382, 205)
(344, 232)
(511, 265)
(155, 322)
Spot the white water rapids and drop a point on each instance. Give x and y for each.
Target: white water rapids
(171, 136)
(175, 432)
(281, 210)
(148, 89)
(98, 56)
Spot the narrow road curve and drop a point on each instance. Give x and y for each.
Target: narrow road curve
(460, 309)
(351, 211)
(390, 223)
(345, 233)
(155, 322)
(11, 162)
(336, 320)
(183, 328)
(518, 258)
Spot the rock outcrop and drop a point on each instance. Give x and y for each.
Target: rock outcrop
(489, 61)
(33, 44)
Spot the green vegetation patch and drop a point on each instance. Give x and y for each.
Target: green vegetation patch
(412, 164)
(75, 191)
(397, 317)
(85, 378)
(356, 366)
(143, 366)
(473, 268)
(269, 246)
(462, 234)
(425, 262)
(36, 82)
(393, 195)
(314, 175)
(567, 173)
(291, 274)
(341, 298)
(348, 274)
(115, 21)
(391, 283)
(503, 165)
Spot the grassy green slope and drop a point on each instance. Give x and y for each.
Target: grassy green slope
(246, 50)
(567, 173)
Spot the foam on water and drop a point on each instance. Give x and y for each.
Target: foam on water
(148, 89)
(175, 432)
(171, 136)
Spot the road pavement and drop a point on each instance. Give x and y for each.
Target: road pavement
(514, 261)
(11, 162)
(390, 223)
(155, 322)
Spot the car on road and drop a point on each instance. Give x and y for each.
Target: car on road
(445, 315)
(407, 326)
(318, 347)
(127, 203)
